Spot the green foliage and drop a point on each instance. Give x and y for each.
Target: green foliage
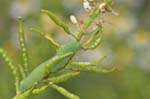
(62, 61)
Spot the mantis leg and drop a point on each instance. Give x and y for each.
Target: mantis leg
(48, 37)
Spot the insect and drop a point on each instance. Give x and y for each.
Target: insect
(61, 61)
(63, 55)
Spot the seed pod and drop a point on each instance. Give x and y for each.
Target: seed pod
(64, 92)
(57, 21)
(40, 90)
(96, 69)
(12, 67)
(23, 45)
(63, 77)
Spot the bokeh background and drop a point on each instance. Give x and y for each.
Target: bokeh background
(126, 43)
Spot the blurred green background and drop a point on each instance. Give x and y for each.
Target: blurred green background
(126, 43)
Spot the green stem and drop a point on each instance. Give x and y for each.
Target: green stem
(92, 18)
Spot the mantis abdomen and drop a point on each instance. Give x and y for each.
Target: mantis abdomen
(63, 56)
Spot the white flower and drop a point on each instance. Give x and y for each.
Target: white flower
(73, 19)
(102, 7)
(86, 5)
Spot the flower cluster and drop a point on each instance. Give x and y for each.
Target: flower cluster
(94, 8)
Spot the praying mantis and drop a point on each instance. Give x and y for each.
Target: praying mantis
(43, 73)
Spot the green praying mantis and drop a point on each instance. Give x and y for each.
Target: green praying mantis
(44, 72)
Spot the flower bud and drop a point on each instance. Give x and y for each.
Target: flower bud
(73, 19)
(87, 6)
(102, 7)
